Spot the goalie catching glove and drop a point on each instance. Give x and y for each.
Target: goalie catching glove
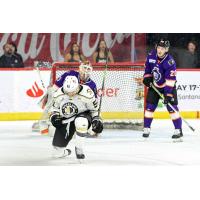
(56, 120)
(97, 125)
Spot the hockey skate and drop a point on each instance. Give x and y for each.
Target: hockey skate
(146, 132)
(79, 153)
(60, 152)
(178, 134)
(35, 127)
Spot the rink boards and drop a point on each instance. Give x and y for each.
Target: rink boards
(21, 90)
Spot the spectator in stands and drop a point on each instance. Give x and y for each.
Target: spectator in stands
(189, 58)
(75, 54)
(9, 59)
(14, 49)
(101, 53)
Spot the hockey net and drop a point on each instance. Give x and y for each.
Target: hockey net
(123, 94)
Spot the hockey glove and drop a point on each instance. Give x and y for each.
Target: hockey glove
(147, 81)
(56, 121)
(168, 99)
(97, 125)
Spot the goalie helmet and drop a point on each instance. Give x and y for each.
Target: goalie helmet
(70, 84)
(85, 68)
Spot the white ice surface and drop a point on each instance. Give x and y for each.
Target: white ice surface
(19, 146)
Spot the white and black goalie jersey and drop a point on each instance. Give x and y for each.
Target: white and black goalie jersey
(70, 106)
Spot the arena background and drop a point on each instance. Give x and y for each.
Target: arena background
(126, 48)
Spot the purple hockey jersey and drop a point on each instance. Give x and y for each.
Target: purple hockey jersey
(59, 82)
(163, 71)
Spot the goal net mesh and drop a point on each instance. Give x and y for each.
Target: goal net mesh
(123, 94)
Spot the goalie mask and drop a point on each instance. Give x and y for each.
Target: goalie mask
(70, 84)
(85, 69)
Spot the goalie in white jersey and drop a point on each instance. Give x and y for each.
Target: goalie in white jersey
(75, 110)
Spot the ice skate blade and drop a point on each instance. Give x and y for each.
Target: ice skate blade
(177, 140)
(80, 161)
(80, 158)
(145, 139)
(145, 135)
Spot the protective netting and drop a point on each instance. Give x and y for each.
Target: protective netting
(123, 94)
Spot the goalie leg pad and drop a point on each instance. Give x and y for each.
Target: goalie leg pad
(44, 127)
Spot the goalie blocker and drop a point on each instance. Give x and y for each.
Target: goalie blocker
(75, 110)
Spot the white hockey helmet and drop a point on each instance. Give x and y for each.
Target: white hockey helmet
(85, 67)
(70, 84)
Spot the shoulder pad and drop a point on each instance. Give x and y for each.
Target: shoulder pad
(86, 92)
(58, 93)
(171, 62)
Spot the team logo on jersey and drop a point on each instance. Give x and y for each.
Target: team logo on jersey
(156, 74)
(152, 61)
(89, 91)
(171, 62)
(69, 109)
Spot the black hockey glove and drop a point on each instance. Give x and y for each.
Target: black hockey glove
(97, 125)
(147, 81)
(56, 121)
(168, 99)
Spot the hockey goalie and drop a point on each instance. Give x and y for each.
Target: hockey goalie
(74, 111)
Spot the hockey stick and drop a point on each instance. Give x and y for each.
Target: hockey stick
(172, 107)
(43, 118)
(36, 66)
(104, 78)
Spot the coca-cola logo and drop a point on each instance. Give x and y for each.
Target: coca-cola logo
(34, 91)
(52, 47)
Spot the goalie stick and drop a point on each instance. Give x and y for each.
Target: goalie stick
(43, 100)
(172, 107)
(36, 66)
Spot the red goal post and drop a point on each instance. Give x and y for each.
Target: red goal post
(123, 95)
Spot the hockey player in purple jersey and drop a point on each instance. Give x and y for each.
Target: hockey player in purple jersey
(160, 70)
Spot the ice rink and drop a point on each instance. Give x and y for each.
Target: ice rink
(21, 147)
